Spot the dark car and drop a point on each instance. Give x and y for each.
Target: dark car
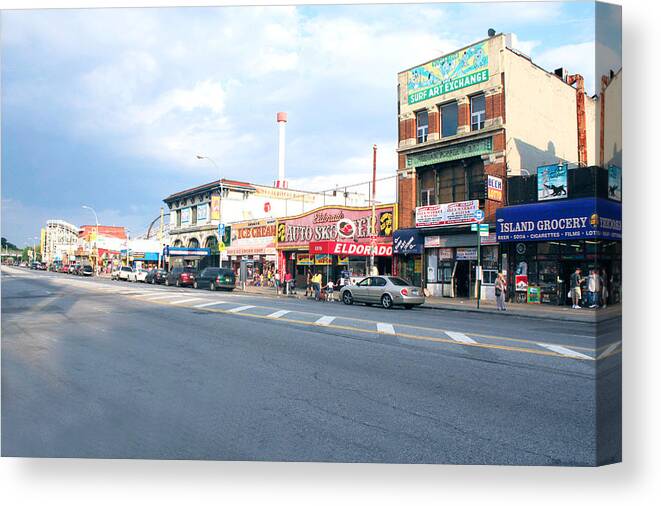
(156, 276)
(181, 276)
(215, 278)
(86, 270)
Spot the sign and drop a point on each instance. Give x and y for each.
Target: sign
(432, 241)
(534, 295)
(254, 237)
(552, 182)
(346, 228)
(482, 227)
(350, 248)
(303, 259)
(521, 282)
(321, 225)
(445, 253)
(586, 218)
(187, 252)
(215, 207)
(202, 212)
(323, 260)
(456, 152)
(451, 72)
(440, 215)
(615, 183)
(466, 254)
(479, 215)
(283, 194)
(342, 260)
(494, 188)
(221, 230)
(407, 242)
(185, 215)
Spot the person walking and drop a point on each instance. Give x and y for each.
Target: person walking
(500, 289)
(316, 285)
(276, 277)
(604, 288)
(575, 282)
(594, 288)
(308, 283)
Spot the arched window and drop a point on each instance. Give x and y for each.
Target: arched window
(211, 243)
(193, 243)
(177, 244)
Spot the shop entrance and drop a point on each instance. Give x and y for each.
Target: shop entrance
(462, 278)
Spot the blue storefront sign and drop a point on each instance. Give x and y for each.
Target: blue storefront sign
(587, 218)
(186, 252)
(407, 242)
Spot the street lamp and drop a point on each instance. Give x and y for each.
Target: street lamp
(96, 237)
(220, 184)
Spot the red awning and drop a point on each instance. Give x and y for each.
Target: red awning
(350, 248)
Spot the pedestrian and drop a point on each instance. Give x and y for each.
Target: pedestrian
(594, 288)
(276, 277)
(316, 285)
(330, 291)
(500, 290)
(575, 282)
(308, 283)
(288, 280)
(604, 288)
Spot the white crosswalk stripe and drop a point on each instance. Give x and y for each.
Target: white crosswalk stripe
(239, 309)
(561, 350)
(184, 300)
(207, 304)
(279, 314)
(459, 337)
(164, 297)
(325, 320)
(385, 328)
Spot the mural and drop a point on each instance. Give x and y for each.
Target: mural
(451, 72)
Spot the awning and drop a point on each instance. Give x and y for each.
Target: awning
(349, 249)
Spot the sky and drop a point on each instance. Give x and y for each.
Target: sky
(108, 107)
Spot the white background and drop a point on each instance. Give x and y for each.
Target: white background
(636, 481)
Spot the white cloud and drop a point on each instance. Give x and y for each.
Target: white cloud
(525, 46)
(576, 58)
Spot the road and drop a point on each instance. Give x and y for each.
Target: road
(95, 368)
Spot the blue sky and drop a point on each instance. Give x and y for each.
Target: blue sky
(108, 107)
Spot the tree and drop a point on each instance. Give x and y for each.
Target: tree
(8, 245)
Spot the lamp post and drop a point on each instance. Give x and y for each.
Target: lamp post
(96, 237)
(220, 184)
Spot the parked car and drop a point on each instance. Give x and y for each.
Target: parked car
(138, 275)
(72, 269)
(181, 276)
(63, 268)
(86, 270)
(385, 290)
(156, 276)
(215, 278)
(121, 273)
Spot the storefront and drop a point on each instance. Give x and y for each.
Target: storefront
(184, 257)
(336, 241)
(408, 250)
(543, 243)
(253, 242)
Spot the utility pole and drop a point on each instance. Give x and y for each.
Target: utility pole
(373, 245)
(220, 184)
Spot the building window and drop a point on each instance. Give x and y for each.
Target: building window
(449, 119)
(422, 126)
(478, 112)
(428, 188)
(193, 215)
(178, 214)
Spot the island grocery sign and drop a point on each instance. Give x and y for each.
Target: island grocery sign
(449, 73)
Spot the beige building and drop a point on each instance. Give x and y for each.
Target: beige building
(610, 138)
(59, 241)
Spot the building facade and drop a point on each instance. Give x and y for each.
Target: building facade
(59, 241)
(198, 215)
(468, 121)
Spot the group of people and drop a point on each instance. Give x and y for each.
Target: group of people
(597, 287)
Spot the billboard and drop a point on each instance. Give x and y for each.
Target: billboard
(185, 215)
(215, 207)
(552, 182)
(202, 212)
(494, 188)
(440, 215)
(615, 183)
(449, 73)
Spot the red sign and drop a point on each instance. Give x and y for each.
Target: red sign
(350, 249)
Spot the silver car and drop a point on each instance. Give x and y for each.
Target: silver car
(385, 290)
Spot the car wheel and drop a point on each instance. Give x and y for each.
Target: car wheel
(347, 298)
(386, 301)
(195, 285)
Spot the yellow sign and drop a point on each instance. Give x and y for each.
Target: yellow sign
(215, 207)
(221, 246)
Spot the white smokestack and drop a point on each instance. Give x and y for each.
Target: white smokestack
(282, 121)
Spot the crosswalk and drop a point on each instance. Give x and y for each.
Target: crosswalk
(231, 305)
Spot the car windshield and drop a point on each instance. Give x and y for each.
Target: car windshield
(189, 269)
(398, 281)
(225, 272)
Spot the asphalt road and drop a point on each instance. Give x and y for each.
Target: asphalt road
(94, 368)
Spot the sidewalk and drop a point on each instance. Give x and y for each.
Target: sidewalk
(546, 311)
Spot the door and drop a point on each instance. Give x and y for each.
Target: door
(360, 291)
(462, 278)
(375, 290)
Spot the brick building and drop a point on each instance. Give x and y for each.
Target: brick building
(468, 121)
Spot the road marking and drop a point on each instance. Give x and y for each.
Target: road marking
(164, 297)
(609, 350)
(150, 292)
(239, 309)
(385, 328)
(184, 300)
(459, 337)
(278, 314)
(325, 321)
(207, 304)
(561, 350)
